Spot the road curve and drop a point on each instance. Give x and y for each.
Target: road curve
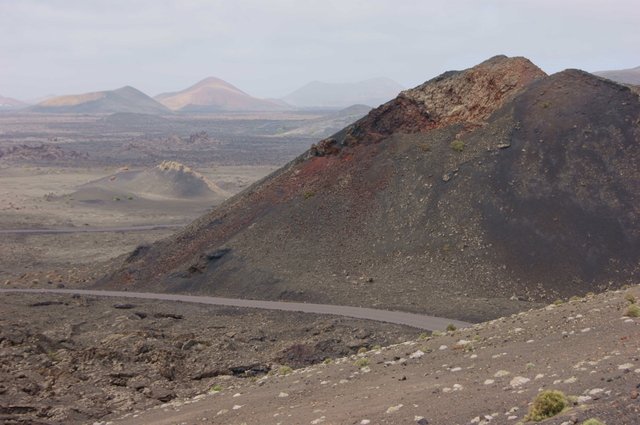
(109, 229)
(416, 320)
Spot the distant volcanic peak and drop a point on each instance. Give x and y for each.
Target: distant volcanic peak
(453, 97)
(214, 94)
(72, 100)
(215, 82)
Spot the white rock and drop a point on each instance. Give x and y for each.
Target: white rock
(237, 406)
(625, 366)
(443, 347)
(394, 409)
(417, 354)
(489, 382)
(456, 369)
(518, 381)
(283, 395)
(365, 422)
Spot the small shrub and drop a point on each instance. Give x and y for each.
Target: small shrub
(546, 405)
(446, 247)
(625, 287)
(530, 365)
(436, 333)
(309, 193)
(216, 388)
(327, 361)
(451, 327)
(476, 338)
(468, 347)
(129, 197)
(285, 370)
(363, 362)
(423, 336)
(425, 147)
(544, 105)
(593, 421)
(377, 347)
(591, 294)
(362, 350)
(457, 145)
(253, 379)
(575, 298)
(633, 311)
(70, 199)
(630, 297)
(116, 198)
(558, 302)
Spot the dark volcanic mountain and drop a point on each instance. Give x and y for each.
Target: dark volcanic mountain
(125, 99)
(457, 198)
(628, 76)
(371, 92)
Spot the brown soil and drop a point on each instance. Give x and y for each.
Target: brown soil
(75, 359)
(103, 361)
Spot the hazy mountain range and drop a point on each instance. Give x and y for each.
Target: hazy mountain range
(628, 76)
(212, 95)
(373, 92)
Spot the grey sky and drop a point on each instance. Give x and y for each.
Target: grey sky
(270, 48)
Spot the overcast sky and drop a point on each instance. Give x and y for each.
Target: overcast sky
(269, 48)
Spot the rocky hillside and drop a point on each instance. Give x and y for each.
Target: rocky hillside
(466, 197)
(125, 99)
(214, 95)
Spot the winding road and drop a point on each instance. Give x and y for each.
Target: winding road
(416, 320)
(109, 229)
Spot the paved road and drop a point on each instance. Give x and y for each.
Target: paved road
(81, 230)
(416, 320)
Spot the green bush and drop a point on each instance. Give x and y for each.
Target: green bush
(593, 421)
(309, 193)
(129, 197)
(376, 347)
(633, 311)
(457, 145)
(436, 333)
(363, 362)
(544, 105)
(362, 350)
(546, 405)
(116, 198)
(630, 297)
(285, 370)
(451, 327)
(327, 361)
(558, 302)
(216, 388)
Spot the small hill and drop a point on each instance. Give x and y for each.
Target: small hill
(373, 92)
(125, 99)
(37, 100)
(627, 76)
(332, 123)
(169, 180)
(214, 95)
(469, 197)
(10, 104)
